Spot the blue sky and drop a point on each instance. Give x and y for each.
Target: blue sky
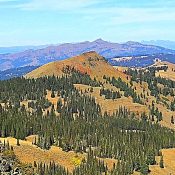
(35, 22)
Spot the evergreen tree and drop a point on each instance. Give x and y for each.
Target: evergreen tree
(17, 143)
(144, 169)
(151, 158)
(172, 119)
(161, 164)
(53, 94)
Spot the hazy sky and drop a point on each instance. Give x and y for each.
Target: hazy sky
(34, 22)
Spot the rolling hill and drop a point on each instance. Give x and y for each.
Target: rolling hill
(90, 63)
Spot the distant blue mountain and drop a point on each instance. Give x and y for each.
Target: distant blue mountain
(162, 43)
(16, 72)
(16, 49)
(63, 51)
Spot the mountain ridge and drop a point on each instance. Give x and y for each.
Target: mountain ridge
(16, 72)
(63, 51)
(163, 43)
(16, 49)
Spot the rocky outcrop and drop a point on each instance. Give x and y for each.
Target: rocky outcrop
(9, 164)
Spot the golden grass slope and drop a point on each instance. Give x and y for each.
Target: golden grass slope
(169, 164)
(90, 63)
(111, 106)
(28, 153)
(169, 74)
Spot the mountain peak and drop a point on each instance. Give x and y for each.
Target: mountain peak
(90, 53)
(93, 56)
(99, 41)
(90, 62)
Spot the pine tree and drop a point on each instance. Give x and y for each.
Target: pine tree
(144, 169)
(161, 164)
(59, 105)
(17, 142)
(52, 94)
(35, 164)
(172, 119)
(151, 158)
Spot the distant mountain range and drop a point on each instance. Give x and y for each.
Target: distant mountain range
(106, 49)
(162, 43)
(16, 49)
(15, 72)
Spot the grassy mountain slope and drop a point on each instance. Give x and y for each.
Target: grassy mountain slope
(96, 66)
(169, 73)
(141, 91)
(70, 159)
(90, 63)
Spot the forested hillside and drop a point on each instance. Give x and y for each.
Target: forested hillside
(68, 111)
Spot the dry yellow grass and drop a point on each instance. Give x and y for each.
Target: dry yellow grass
(52, 100)
(28, 153)
(162, 108)
(169, 164)
(169, 74)
(122, 69)
(110, 105)
(90, 63)
(49, 98)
